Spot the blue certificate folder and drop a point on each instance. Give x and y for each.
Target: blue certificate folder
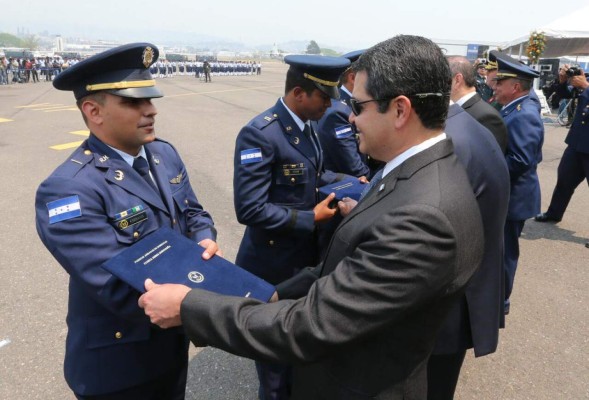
(348, 187)
(166, 256)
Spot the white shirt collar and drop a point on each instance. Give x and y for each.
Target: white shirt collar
(465, 98)
(129, 158)
(300, 123)
(345, 89)
(410, 152)
(510, 103)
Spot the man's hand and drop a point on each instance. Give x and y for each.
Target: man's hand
(211, 248)
(161, 303)
(322, 211)
(274, 298)
(562, 75)
(363, 179)
(346, 206)
(579, 81)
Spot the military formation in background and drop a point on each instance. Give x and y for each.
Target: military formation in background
(166, 69)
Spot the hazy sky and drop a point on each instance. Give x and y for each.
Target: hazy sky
(344, 23)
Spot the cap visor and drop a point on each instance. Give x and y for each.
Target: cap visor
(331, 91)
(138, 93)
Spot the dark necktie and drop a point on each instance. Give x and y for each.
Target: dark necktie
(309, 134)
(377, 178)
(142, 167)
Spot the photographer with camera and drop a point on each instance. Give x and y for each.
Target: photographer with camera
(574, 164)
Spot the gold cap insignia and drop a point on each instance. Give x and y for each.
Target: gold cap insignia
(147, 56)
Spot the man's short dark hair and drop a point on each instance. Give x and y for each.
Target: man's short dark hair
(461, 65)
(408, 65)
(99, 97)
(295, 78)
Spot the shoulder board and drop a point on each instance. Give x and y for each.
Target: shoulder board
(263, 120)
(76, 161)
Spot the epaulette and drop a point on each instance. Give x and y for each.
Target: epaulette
(77, 160)
(263, 120)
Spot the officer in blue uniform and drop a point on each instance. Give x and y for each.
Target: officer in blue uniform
(524, 152)
(574, 164)
(119, 186)
(278, 168)
(337, 135)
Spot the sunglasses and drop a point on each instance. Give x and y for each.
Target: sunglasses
(358, 106)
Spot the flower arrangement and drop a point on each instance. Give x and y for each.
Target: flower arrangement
(536, 46)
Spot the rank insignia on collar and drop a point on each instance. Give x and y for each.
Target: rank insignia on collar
(103, 158)
(147, 56)
(296, 140)
(156, 161)
(119, 175)
(519, 107)
(289, 128)
(267, 118)
(177, 179)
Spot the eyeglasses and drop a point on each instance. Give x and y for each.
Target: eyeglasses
(357, 106)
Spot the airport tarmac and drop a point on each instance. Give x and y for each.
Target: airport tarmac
(543, 351)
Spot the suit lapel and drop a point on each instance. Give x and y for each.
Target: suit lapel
(403, 172)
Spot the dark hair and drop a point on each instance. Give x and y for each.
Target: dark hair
(408, 65)
(461, 65)
(295, 78)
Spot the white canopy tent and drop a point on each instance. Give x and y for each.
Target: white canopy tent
(566, 36)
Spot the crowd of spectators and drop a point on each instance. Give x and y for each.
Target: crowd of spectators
(24, 70)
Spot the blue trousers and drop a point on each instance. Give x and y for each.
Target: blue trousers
(512, 232)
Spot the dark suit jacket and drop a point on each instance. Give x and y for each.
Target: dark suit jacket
(367, 326)
(476, 319)
(578, 136)
(489, 117)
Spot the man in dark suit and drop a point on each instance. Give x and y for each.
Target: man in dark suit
(521, 113)
(119, 186)
(574, 164)
(465, 95)
(475, 320)
(397, 263)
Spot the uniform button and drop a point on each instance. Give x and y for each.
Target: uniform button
(118, 335)
(174, 221)
(186, 201)
(316, 190)
(584, 113)
(135, 235)
(87, 152)
(293, 180)
(318, 174)
(271, 242)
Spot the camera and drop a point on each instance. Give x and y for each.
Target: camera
(573, 71)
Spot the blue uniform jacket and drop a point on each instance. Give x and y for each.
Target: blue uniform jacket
(276, 176)
(578, 136)
(111, 344)
(524, 153)
(338, 140)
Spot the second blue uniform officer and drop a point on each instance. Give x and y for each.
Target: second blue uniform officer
(278, 168)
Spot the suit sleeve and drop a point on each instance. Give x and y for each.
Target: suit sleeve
(404, 261)
(82, 244)
(525, 138)
(251, 184)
